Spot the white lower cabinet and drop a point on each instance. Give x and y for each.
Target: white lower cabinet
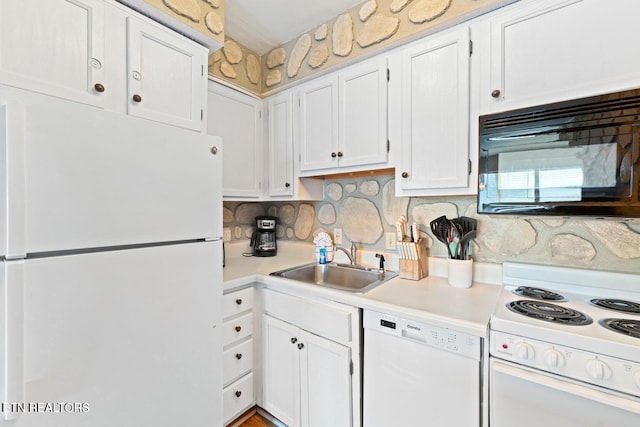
(310, 379)
(238, 355)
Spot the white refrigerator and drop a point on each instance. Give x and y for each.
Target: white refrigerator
(110, 268)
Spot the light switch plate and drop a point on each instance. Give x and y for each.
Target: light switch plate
(390, 240)
(337, 236)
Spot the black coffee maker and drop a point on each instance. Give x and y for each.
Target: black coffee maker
(263, 240)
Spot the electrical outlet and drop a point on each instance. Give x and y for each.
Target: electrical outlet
(390, 240)
(337, 236)
(226, 234)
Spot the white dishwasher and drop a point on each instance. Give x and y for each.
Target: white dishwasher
(419, 374)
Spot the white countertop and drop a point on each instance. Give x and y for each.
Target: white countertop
(429, 300)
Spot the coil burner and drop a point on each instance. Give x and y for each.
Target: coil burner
(627, 327)
(538, 293)
(549, 312)
(622, 306)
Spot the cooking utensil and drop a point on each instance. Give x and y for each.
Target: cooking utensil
(440, 229)
(466, 223)
(463, 245)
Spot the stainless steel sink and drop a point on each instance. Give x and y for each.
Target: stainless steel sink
(346, 277)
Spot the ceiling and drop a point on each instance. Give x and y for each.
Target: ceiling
(263, 25)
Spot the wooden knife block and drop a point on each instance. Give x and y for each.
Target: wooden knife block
(416, 269)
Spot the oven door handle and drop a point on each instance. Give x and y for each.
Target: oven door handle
(568, 386)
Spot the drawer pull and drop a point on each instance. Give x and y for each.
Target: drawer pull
(238, 393)
(99, 87)
(238, 328)
(239, 301)
(495, 93)
(238, 356)
(300, 346)
(137, 98)
(294, 340)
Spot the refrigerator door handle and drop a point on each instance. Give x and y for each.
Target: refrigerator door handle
(12, 335)
(12, 182)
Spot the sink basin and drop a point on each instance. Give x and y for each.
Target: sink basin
(346, 277)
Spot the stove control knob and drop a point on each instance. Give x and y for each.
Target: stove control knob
(524, 351)
(598, 370)
(553, 358)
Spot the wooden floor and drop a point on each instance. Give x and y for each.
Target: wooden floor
(257, 421)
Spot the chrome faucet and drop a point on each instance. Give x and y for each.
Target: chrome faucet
(352, 254)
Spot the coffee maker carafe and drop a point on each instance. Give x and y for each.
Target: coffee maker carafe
(263, 240)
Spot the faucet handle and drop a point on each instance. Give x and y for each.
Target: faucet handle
(354, 252)
(381, 261)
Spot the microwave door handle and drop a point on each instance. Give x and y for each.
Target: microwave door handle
(567, 387)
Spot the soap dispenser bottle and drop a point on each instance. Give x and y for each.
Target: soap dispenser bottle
(322, 259)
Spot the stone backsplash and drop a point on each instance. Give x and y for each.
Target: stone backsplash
(366, 208)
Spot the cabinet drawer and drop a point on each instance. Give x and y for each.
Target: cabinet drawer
(237, 398)
(237, 302)
(237, 361)
(327, 319)
(236, 329)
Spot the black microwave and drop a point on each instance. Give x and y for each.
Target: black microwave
(571, 158)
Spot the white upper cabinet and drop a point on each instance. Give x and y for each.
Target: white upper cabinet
(433, 113)
(237, 118)
(54, 47)
(103, 54)
(343, 120)
(280, 137)
(549, 50)
(363, 113)
(318, 119)
(166, 76)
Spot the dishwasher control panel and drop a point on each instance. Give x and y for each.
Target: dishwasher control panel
(434, 336)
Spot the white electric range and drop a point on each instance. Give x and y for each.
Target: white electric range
(565, 348)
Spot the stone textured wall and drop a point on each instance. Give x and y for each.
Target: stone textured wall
(368, 27)
(237, 64)
(366, 208)
(206, 16)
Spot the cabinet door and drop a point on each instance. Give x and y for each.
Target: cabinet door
(54, 47)
(435, 114)
(280, 145)
(319, 124)
(237, 118)
(166, 78)
(281, 370)
(363, 114)
(325, 373)
(550, 50)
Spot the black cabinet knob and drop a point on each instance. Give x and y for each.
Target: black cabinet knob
(238, 393)
(238, 356)
(300, 346)
(339, 153)
(239, 301)
(334, 155)
(99, 87)
(238, 328)
(137, 98)
(287, 185)
(405, 174)
(495, 93)
(294, 340)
